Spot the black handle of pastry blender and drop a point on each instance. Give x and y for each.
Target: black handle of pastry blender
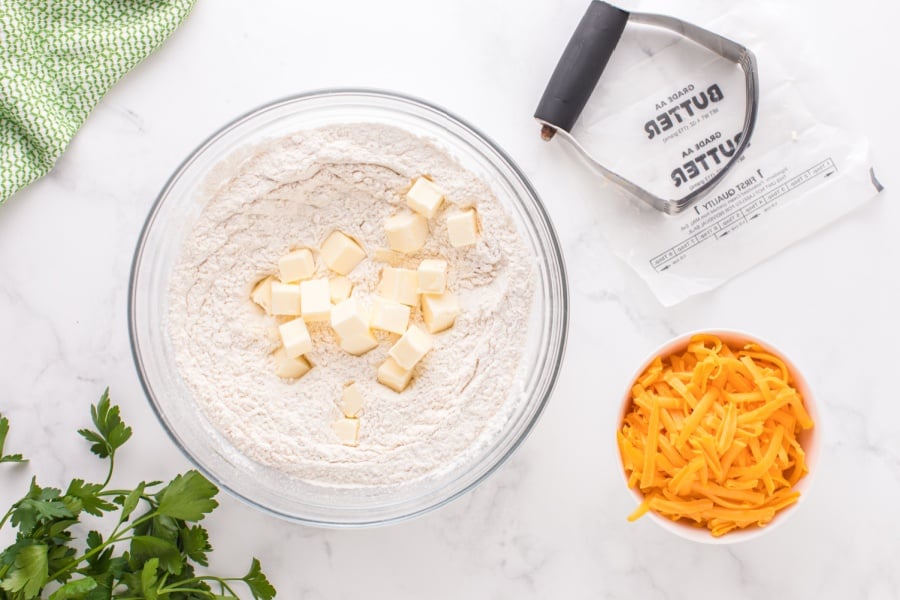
(579, 69)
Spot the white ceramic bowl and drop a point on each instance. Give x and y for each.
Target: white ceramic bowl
(809, 440)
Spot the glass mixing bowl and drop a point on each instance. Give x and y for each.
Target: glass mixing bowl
(172, 218)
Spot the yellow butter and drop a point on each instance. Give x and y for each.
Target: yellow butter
(288, 367)
(360, 344)
(341, 253)
(296, 265)
(339, 288)
(432, 276)
(400, 285)
(347, 431)
(440, 311)
(351, 403)
(262, 294)
(295, 337)
(411, 347)
(285, 298)
(393, 376)
(389, 315)
(350, 319)
(462, 228)
(406, 232)
(315, 299)
(424, 197)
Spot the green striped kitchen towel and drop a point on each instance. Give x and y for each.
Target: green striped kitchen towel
(57, 59)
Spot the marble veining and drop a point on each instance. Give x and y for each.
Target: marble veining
(551, 522)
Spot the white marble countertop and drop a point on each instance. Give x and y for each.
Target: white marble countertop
(551, 523)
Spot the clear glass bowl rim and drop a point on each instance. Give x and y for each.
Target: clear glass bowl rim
(555, 258)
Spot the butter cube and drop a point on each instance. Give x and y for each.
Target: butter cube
(425, 197)
(393, 376)
(315, 299)
(360, 344)
(297, 265)
(386, 255)
(439, 311)
(411, 347)
(432, 276)
(339, 287)
(262, 294)
(389, 315)
(349, 319)
(295, 337)
(399, 285)
(288, 367)
(351, 403)
(462, 227)
(285, 298)
(347, 431)
(341, 253)
(406, 232)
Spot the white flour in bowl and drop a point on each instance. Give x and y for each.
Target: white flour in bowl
(292, 192)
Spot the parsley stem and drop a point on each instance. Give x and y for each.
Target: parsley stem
(228, 587)
(180, 589)
(112, 464)
(7, 515)
(120, 493)
(222, 581)
(144, 519)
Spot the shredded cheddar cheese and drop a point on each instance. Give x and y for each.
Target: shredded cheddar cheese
(711, 437)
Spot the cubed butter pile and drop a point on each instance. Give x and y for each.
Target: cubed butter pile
(407, 232)
(300, 294)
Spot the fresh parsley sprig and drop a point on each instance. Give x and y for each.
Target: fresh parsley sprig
(4, 430)
(151, 552)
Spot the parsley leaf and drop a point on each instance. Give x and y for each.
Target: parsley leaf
(149, 578)
(88, 494)
(195, 544)
(165, 528)
(4, 430)
(58, 556)
(8, 556)
(98, 563)
(111, 432)
(145, 547)
(74, 589)
(29, 572)
(131, 501)
(39, 506)
(57, 530)
(94, 540)
(188, 497)
(257, 582)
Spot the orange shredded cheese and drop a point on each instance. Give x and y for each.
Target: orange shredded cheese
(711, 436)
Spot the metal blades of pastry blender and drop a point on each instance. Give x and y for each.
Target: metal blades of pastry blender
(583, 62)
